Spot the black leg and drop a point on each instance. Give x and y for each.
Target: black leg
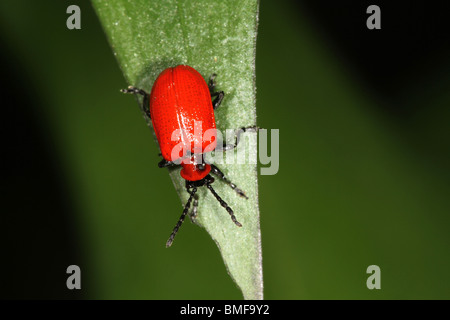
(164, 163)
(226, 147)
(224, 204)
(183, 215)
(218, 100)
(146, 101)
(217, 95)
(212, 83)
(220, 174)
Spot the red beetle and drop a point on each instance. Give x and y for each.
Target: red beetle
(180, 100)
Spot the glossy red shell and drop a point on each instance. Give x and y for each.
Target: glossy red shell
(191, 172)
(181, 111)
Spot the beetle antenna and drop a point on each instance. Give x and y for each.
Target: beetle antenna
(220, 174)
(224, 204)
(180, 221)
(193, 213)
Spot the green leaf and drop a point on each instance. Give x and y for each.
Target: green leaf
(213, 37)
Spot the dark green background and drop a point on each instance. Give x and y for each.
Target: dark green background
(364, 151)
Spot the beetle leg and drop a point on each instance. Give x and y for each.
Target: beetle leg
(212, 83)
(226, 146)
(145, 103)
(164, 163)
(220, 174)
(218, 100)
(224, 204)
(217, 95)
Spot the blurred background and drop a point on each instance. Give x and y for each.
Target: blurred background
(364, 160)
